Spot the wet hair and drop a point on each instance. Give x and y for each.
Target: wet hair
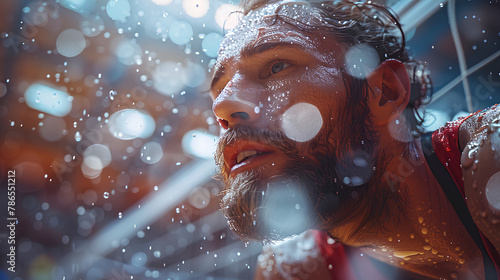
(366, 23)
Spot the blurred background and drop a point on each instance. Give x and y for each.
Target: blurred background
(106, 120)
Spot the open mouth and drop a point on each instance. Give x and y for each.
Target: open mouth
(244, 156)
(247, 155)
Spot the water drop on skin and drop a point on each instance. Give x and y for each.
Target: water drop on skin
(106, 195)
(405, 254)
(424, 230)
(474, 165)
(467, 162)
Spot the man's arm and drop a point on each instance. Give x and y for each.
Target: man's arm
(479, 138)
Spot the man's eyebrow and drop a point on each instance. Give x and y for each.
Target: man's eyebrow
(249, 51)
(256, 48)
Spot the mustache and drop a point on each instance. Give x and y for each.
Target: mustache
(276, 139)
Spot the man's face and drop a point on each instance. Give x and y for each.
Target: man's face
(280, 95)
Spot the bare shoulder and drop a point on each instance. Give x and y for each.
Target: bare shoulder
(480, 139)
(297, 258)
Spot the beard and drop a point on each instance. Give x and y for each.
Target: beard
(322, 190)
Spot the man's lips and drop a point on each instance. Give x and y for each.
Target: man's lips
(245, 155)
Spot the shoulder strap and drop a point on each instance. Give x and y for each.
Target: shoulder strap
(457, 201)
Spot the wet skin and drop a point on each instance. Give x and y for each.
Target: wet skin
(278, 68)
(272, 67)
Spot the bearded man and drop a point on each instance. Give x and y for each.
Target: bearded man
(321, 129)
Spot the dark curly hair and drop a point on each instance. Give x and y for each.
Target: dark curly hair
(365, 23)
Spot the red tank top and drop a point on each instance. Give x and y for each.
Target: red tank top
(447, 149)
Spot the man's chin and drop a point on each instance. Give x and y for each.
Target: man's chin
(259, 207)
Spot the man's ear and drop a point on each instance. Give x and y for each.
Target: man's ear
(389, 90)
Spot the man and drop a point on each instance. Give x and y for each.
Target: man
(318, 103)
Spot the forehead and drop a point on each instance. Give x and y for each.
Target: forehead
(280, 22)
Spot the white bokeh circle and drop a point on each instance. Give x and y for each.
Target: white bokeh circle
(302, 122)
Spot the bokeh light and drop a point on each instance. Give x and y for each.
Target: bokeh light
(168, 78)
(211, 44)
(91, 167)
(162, 2)
(286, 210)
(92, 26)
(180, 32)
(361, 60)
(48, 100)
(79, 6)
(492, 193)
(302, 122)
(128, 52)
(118, 9)
(70, 42)
(193, 75)
(52, 128)
(129, 124)
(199, 143)
(151, 153)
(227, 16)
(195, 8)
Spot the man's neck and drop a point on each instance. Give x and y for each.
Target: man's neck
(427, 231)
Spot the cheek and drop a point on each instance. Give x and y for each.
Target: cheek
(279, 96)
(325, 79)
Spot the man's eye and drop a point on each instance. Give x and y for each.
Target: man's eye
(278, 66)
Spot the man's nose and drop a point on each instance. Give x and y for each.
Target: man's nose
(236, 104)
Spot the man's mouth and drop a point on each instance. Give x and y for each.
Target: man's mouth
(244, 156)
(247, 155)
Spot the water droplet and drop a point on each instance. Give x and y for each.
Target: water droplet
(78, 136)
(425, 230)
(112, 94)
(404, 254)
(120, 215)
(467, 162)
(105, 195)
(420, 219)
